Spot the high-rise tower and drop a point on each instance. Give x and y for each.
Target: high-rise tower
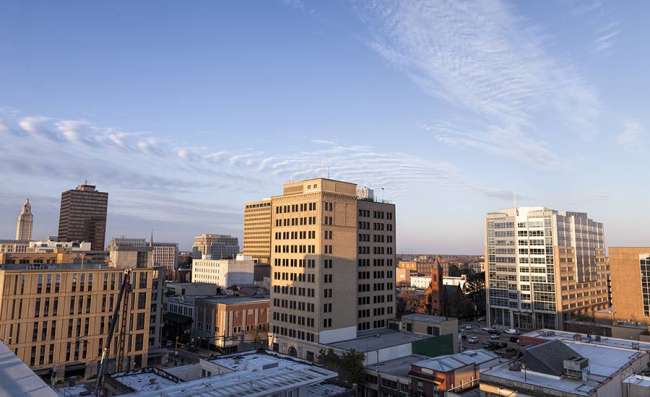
(25, 222)
(543, 267)
(83, 216)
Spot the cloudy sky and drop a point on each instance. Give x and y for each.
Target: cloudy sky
(184, 110)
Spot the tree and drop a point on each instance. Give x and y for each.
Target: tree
(349, 366)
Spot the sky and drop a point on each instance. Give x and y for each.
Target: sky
(184, 110)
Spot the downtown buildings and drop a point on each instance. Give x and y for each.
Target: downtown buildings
(332, 257)
(83, 216)
(257, 230)
(543, 267)
(215, 246)
(630, 275)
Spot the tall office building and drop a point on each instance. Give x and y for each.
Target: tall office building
(332, 265)
(630, 273)
(257, 230)
(83, 216)
(543, 267)
(55, 317)
(165, 255)
(215, 246)
(25, 222)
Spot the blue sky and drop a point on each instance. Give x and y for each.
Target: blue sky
(184, 110)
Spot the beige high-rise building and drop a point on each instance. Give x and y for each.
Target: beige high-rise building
(332, 265)
(257, 230)
(25, 222)
(543, 267)
(56, 317)
(630, 273)
(130, 252)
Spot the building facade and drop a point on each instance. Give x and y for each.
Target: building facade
(165, 255)
(25, 222)
(130, 252)
(215, 246)
(257, 230)
(543, 267)
(56, 317)
(224, 273)
(225, 322)
(630, 273)
(83, 216)
(332, 265)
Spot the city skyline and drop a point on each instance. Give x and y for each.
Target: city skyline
(183, 125)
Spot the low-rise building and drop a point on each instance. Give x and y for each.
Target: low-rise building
(224, 273)
(215, 246)
(190, 289)
(564, 368)
(419, 281)
(425, 324)
(226, 322)
(402, 277)
(254, 374)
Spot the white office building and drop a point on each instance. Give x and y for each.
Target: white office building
(224, 273)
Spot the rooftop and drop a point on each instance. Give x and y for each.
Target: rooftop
(398, 367)
(459, 360)
(255, 374)
(639, 380)
(377, 340)
(54, 266)
(604, 362)
(17, 379)
(549, 334)
(146, 380)
(429, 319)
(233, 300)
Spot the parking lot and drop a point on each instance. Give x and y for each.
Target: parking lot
(478, 333)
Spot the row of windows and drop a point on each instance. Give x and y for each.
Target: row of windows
(294, 305)
(301, 248)
(293, 319)
(365, 262)
(294, 333)
(309, 220)
(365, 250)
(300, 277)
(308, 263)
(283, 209)
(296, 235)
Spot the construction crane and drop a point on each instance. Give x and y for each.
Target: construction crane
(125, 288)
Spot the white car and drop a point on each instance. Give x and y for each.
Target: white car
(467, 326)
(494, 337)
(472, 339)
(511, 331)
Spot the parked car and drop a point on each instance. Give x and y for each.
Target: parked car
(493, 331)
(494, 337)
(514, 339)
(467, 326)
(472, 339)
(511, 331)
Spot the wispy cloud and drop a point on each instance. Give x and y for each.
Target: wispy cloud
(634, 137)
(144, 162)
(487, 62)
(606, 36)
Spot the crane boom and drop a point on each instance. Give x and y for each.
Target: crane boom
(124, 288)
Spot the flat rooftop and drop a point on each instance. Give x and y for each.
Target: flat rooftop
(255, 374)
(604, 361)
(425, 318)
(54, 266)
(399, 367)
(377, 340)
(451, 362)
(639, 380)
(550, 334)
(17, 379)
(233, 300)
(145, 380)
